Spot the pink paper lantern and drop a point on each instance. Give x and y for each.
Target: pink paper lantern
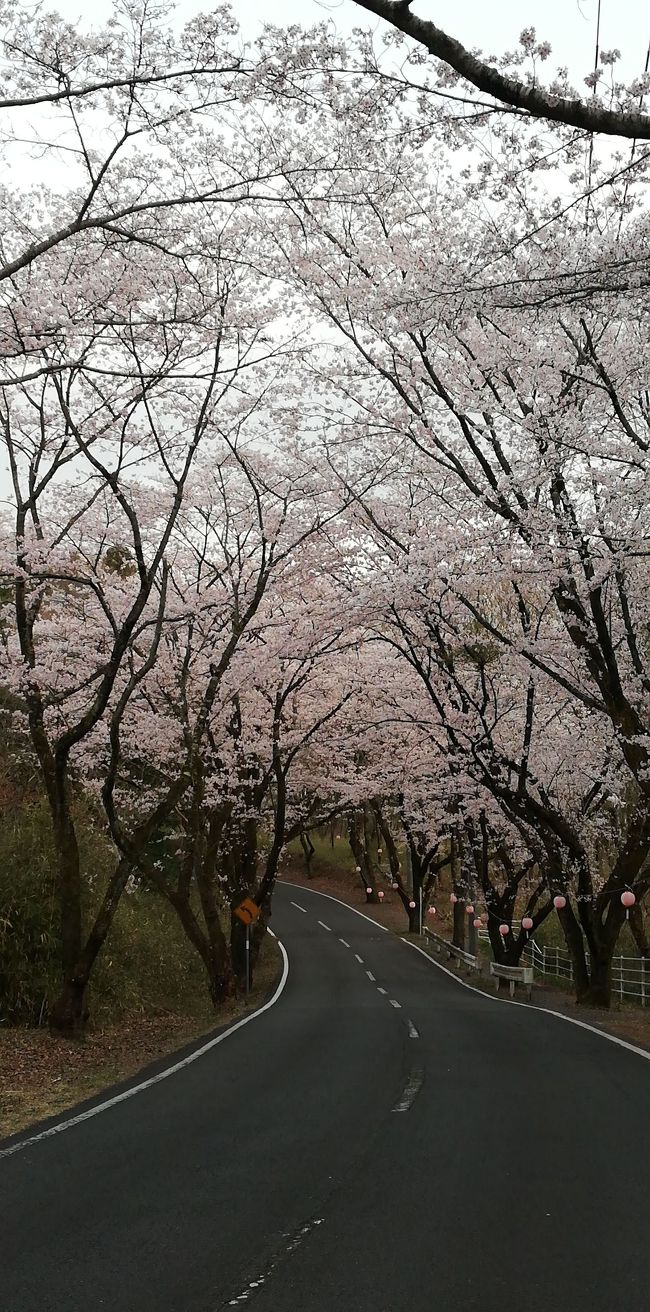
(559, 901)
(381, 896)
(412, 906)
(503, 930)
(395, 885)
(469, 909)
(478, 924)
(358, 869)
(453, 898)
(431, 911)
(526, 923)
(628, 899)
(368, 890)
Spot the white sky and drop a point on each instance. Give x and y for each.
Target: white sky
(570, 25)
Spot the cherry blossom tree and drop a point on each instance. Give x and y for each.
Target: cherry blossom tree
(173, 369)
(521, 434)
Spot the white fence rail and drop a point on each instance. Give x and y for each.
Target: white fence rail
(630, 975)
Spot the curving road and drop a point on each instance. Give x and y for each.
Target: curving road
(380, 1140)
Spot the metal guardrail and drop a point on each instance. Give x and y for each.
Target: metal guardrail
(630, 975)
(443, 945)
(513, 975)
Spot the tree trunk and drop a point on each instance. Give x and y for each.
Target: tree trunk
(69, 1012)
(599, 989)
(576, 945)
(362, 856)
(460, 918)
(638, 930)
(308, 850)
(414, 919)
(68, 882)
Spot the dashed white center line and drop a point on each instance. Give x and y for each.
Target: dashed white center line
(324, 926)
(299, 908)
(358, 958)
(415, 1082)
(382, 991)
(370, 975)
(393, 1003)
(292, 1242)
(413, 1033)
(345, 945)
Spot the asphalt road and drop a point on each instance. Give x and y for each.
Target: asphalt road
(380, 1140)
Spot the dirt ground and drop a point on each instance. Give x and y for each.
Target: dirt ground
(42, 1074)
(625, 1020)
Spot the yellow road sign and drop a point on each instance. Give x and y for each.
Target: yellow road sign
(247, 911)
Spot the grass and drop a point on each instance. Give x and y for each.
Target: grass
(327, 857)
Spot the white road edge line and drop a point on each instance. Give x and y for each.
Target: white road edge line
(546, 1011)
(358, 958)
(299, 908)
(286, 883)
(382, 991)
(370, 975)
(394, 1003)
(155, 1079)
(345, 945)
(324, 926)
(413, 1032)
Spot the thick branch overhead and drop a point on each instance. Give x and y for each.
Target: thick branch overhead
(537, 102)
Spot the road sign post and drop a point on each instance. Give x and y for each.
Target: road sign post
(247, 912)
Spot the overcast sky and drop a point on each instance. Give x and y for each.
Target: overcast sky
(570, 25)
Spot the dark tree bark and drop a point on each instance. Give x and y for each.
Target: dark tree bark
(638, 929)
(357, 837)
(308, 850)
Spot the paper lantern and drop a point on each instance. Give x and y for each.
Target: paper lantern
(431, 911)
(380, 896)
(395, 885)
(453, 898)
(503, 930)
(559, 901)
(379, 851)
(469, 909)
(628, 899)
(412, 906)
(368, 890)
(358, 869)
(526, 923)
(478, 924)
